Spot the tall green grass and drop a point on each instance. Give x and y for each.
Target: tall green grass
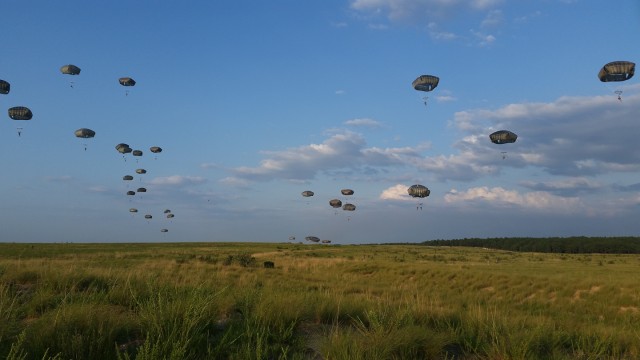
(216, 301)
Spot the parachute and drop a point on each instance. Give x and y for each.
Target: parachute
(346, 192)
(127, 177)
(312, 238)
(20, 113)
(131, 193)
(70, 70)
(127, 81)
(326, 241)
(617, 71)
(335, 203)
(164, 230)
(148, 217)
(170, 216)
(141, 190)
(141, 171)
(503, 137)
(348, 207)
(85, 133)
(307, 193)
(155, 150)
(5, 87)
(167, 211)
(136, 153)
(133, 210)
(418, 191)
(425, 83)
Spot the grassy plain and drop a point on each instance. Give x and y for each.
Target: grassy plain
(217, 301)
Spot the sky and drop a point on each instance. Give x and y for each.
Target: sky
(254, 102)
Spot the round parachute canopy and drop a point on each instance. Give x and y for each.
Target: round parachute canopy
(137, 153)
(503, 137)
(348, 207)
(141, 190)
(419, 191)
(167, 211)
(141, 171)
(346, 192)
(5, 87)
(20, 113)
(425, 82)
(70, 70)
(335, 203)
(164, 230)
(291, 238)
(307, 193)
(148, 216)
(312, 238)
(131, 192)
(617, 71)
(125, 150)
(155, 149)
(127, 177)
(133, 210)
(326, 241)
(121, 145)
(127, 81)
(85, 133)
(170, 216)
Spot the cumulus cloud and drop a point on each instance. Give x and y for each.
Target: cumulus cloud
(177, 180)
(345, 150)
(397, 192)
(571, 136)
(498, 196)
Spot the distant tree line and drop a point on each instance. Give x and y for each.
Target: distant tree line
(568, 245)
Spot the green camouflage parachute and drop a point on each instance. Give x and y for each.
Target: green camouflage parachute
(131, 193)
(127, 81)
(141, 190)
(155, 149)
(164, 230)
(133, 210)
(20, 113)
(70, 70)
(85, 133)
(425, 83)
(5, 87)
(418, 191)
(312, 238)
(137, 153)
(348, 207)
(503, 137)
(141, 171)
(346, 192)
(617, 71)
(127, 177)
(307, 193)
(335, 203)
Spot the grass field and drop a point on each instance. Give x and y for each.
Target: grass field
(218, 301)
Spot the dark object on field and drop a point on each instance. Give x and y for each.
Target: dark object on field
(269, 265)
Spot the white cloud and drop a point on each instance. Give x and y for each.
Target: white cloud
(396, 192)
(340, 92)
(363, 122)
(498, 196)
(177, 180)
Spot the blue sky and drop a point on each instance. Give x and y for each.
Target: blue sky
(254, 102)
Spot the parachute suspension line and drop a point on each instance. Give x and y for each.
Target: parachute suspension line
(19, 131)
(504, 155)
(424, 100)
(619, 93)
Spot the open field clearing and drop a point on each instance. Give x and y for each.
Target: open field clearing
(218, 301)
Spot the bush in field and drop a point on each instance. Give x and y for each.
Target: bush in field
(243, 259)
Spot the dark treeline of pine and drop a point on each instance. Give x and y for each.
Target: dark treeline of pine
(568, 245)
